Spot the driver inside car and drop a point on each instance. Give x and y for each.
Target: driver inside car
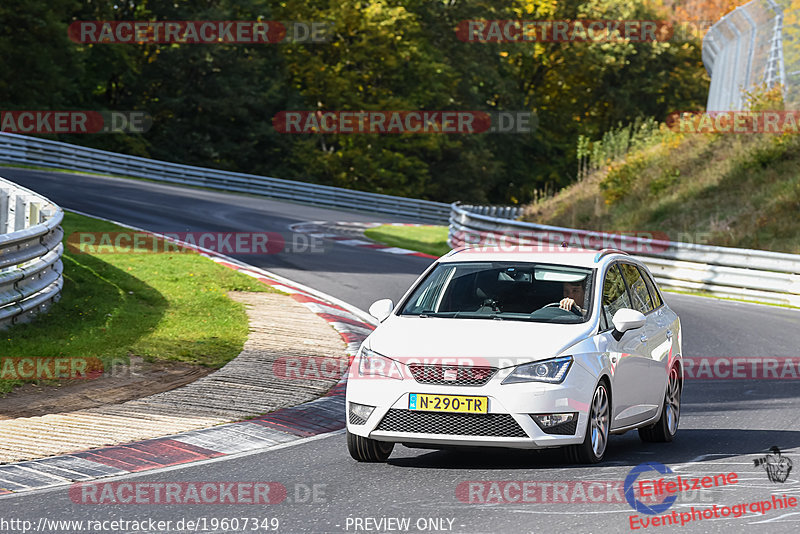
(574, 292)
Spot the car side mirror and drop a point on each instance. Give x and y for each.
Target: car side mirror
(381, 309)
(626, 319)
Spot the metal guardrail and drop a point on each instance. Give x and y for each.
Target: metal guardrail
(25, 150)
(501, 212)
(30, 253)
(725, 272)
(744, 49)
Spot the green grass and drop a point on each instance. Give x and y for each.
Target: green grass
(428, 239)
(726, 190)
(158, 306)
(708, 294)
(49, 169)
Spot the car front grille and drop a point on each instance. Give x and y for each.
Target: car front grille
(451, 375)
(460, 424)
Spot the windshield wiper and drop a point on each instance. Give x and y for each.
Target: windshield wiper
(475, 315)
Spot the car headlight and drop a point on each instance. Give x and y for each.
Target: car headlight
(373, 364)
(551, 371)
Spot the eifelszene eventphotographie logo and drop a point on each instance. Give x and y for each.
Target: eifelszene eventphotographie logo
(777, 466)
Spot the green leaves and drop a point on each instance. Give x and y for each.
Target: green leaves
(213, 104)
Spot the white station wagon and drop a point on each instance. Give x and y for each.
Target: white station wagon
(518, 349)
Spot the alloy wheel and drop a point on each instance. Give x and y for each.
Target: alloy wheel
(599, 420)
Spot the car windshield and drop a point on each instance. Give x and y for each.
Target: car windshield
(504, 291)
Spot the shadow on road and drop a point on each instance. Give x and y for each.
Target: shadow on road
(624, 450)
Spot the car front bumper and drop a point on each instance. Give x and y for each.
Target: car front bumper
(508, 422)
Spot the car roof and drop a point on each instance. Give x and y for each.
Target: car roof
(576, 257)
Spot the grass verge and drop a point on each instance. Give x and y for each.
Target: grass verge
(167, 306)
(726, 190)
(428, 239)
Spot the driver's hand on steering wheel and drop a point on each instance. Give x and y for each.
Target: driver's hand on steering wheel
(569, 305)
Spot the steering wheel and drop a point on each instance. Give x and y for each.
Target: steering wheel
(492, 304)
(576, 312)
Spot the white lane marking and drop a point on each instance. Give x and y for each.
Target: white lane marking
(773, 519)
(139, 474)
(395, 250)
(354, 242)
(695, 460)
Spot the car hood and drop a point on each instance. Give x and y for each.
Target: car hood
(472, 341)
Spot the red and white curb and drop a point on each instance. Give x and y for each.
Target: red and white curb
(320, 416)
(343, 233)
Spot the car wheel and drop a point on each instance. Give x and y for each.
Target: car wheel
(667, 426)
(594, 444)
(368, 450)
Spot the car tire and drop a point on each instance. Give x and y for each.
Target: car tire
(594, 445)
(368, 450)
(665, 429)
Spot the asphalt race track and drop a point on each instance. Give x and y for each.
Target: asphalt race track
(725, 424)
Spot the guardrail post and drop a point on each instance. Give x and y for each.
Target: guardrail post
(34, 213)
(4, 196)
(20, 213)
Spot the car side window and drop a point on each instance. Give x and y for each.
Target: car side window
(651, 287)
(615, 295)
(639, 293)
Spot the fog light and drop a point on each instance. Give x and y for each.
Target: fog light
(359, 413)
(553, 419)
(557, 423)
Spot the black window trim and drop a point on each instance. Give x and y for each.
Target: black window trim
(630, 293)
(609, 324)
(603, 326)
(644, 272)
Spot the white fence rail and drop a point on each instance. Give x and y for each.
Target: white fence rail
(745, 49)
(724, 272)
(30, 253)
(18, 149)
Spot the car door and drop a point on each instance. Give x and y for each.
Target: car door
(654, 334)
(667, 322)
(629, 357)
